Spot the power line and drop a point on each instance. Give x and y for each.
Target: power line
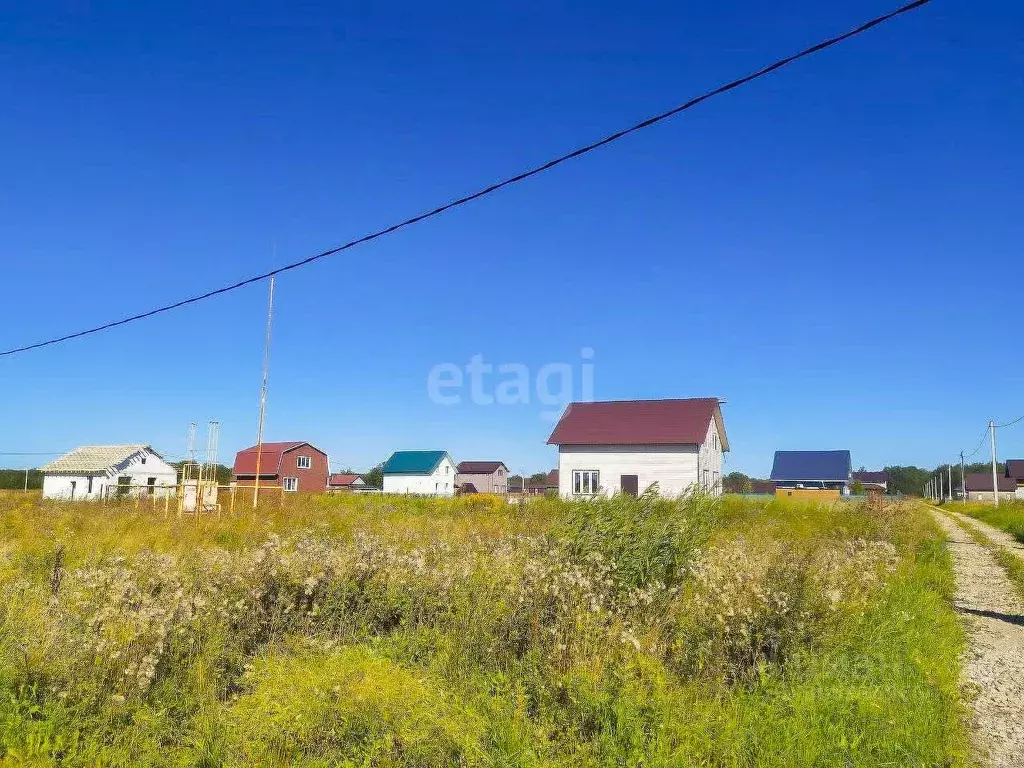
(493, 187)
(980, 443)
(1010, 423)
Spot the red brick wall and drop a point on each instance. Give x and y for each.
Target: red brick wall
(312, 480)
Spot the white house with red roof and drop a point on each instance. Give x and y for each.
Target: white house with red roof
(294, 466)
(626, 446)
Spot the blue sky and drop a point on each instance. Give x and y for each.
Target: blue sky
(835, 250)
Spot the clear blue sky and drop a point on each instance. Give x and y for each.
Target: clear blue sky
(836, 250)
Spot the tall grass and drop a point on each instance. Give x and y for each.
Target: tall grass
(409, 632)
(1008, 516)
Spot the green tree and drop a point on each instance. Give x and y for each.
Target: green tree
(737, 482)
(375, 477)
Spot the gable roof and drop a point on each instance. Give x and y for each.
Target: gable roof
(816, 466)
(95, 458)
(480, 467)
(414, 462)
(1015, 469)
(270, 461)
(639, 422)
(872, 478)
(982, 481)
(342, 479)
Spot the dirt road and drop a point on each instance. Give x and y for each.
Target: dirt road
(994, 662)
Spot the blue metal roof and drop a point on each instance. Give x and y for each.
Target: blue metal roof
(834, 466)
(413, 462)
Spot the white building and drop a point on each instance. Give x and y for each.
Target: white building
(428, 473)
(626, 446)
(106, 471)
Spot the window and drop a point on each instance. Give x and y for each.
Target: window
(446, 469)
(291, 483)
(89, 488)
(150, 485)
(304, 462)
(585, 481)
(714, 440)
(714, 480)
(707, 472)
(143, 459)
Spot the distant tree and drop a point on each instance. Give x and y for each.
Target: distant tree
(224, 473)
(14, 479)
(375, 477)
(857, 487)
(737, 482)
(538, 477)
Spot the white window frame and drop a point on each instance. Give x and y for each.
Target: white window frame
(707, 474)
(714, 481)
(303, 462)
(586, 482)
(290, 484)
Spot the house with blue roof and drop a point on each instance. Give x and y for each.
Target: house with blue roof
(426, 473)
(818, 474)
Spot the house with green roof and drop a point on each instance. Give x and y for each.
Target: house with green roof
(426, 473)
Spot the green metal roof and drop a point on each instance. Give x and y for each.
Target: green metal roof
(413, 462)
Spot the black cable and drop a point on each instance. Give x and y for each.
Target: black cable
(980, 443)
(1010, 423)
(493, 187)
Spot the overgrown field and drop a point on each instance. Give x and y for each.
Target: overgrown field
(359, 631)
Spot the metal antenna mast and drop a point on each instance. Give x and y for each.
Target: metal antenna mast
(263, 397)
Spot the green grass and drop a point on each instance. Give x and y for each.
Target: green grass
(1008, 516)
(379, 631)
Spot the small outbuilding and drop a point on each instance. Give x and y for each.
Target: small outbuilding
(979, 487)
(815, 474)
(94, 472)
(346, 482)
(427, 473)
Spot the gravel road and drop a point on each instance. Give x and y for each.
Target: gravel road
(994, 662)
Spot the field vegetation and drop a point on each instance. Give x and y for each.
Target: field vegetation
(381, 631)
(1008, 516)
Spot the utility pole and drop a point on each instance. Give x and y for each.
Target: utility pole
(995, 482)
(949, 470)
(263, 397)
(963, 479)
(26, 480)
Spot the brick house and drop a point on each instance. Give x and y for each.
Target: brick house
(294, 466)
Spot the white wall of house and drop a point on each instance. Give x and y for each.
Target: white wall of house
(138, 468)
(440, 483)
(987, 496)
(673, 467)
(495, 482)
(676, 468)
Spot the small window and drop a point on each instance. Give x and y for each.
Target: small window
(706, 475)
(446, 469)
(585, 482)
(714, 440)
(304, 462)
(89, 488)
(150, 485)
(143, 459)
(714, 481)
(291, 483)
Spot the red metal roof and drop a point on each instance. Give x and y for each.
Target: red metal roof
(1015, 469)
(637, 422)
(341, 479)
(270, 461)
